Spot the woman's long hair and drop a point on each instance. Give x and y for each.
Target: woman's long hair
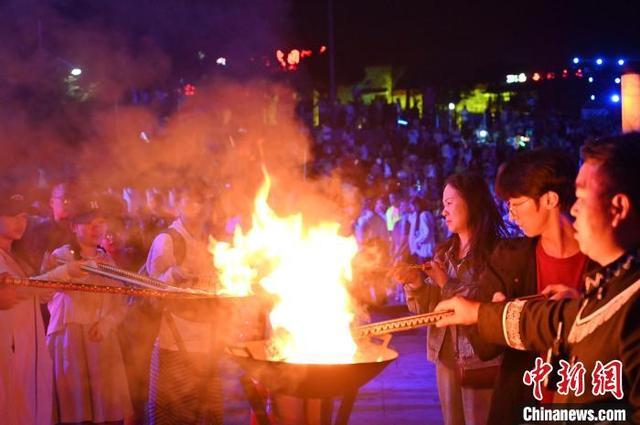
(485, 222)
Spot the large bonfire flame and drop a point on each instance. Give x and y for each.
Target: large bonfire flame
(306, 270)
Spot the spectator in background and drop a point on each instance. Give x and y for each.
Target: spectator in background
(155, 217)
(400, 233)
(380, 209)
(369, 225)
(422, 231)
(392, 215)
(44, 236)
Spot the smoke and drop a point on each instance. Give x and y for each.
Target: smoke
(96, 127)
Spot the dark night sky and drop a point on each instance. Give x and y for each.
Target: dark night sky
(442, 41)
(473, 39)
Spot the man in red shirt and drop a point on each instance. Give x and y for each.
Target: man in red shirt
(538, 187)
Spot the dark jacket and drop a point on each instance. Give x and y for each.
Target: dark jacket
(601, 327)
(42, 237)
(512, 271)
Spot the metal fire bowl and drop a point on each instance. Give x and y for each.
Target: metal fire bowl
(310, 380)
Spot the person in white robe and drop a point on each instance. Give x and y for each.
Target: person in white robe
(25, 363)
(90, 383)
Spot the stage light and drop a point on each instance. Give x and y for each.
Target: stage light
(76, 72)
(483, 133)
(620, 62)
(591, 79)
(576, 60)
(617, 80)
(221, 61)
(615, 98)
(189, 90)
(522, 77)
(592, 97)
(293, 58)
(599, 61)
(281, 58)
(536, 77)
(452, 106)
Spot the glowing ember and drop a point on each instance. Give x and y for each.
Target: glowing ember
(306, 270)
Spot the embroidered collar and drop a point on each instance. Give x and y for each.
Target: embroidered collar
(584, 326)
(599, 277)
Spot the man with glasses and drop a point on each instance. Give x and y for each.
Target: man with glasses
(600, 330)
(538, 187)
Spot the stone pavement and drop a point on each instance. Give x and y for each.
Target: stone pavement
(405, 393)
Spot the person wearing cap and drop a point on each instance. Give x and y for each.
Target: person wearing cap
(90, 383)
(25, 364)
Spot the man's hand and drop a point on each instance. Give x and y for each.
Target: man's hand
(559, 291)
(498, 297)
(465, 312)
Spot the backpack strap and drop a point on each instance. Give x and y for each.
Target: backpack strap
(179, 245)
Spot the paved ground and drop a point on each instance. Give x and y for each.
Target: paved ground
(403, 394)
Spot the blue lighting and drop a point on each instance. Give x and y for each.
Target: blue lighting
(620, 62)
(599, 61)
(402, 122)
(576, 60)
(591, 79)
(615, 98)
(593, 97)
(617, 80)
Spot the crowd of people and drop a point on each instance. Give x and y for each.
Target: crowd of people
(428, 198)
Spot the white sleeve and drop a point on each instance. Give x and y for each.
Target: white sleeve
(161, 263)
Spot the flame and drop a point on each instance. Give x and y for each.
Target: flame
(306, 270)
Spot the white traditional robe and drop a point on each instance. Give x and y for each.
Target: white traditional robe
(25, 365)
